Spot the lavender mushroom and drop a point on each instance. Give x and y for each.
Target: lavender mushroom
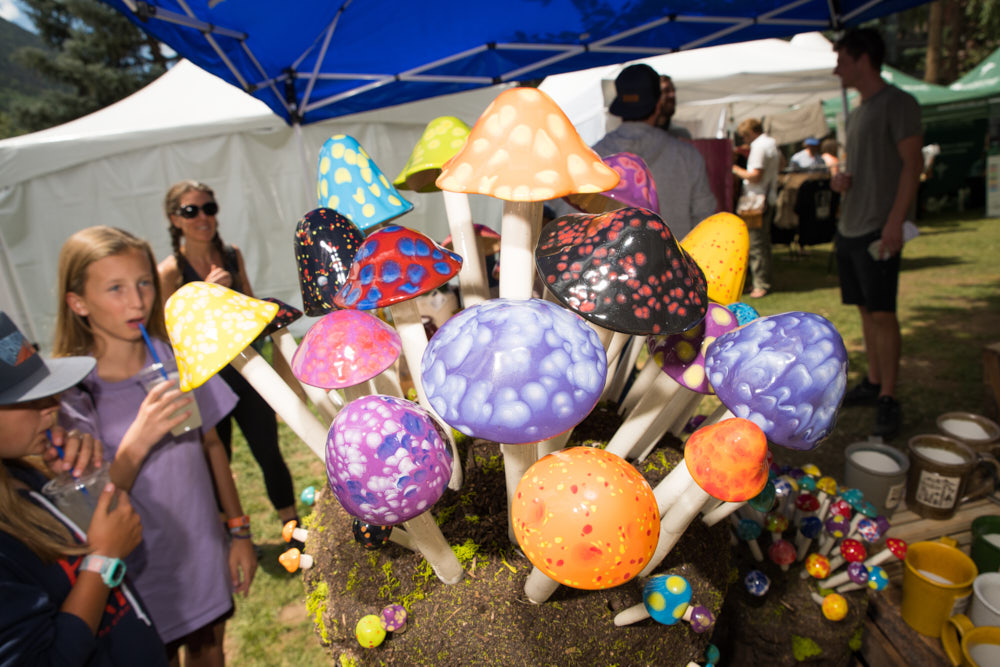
(786, 373)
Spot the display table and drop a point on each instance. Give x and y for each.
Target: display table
(888, 640)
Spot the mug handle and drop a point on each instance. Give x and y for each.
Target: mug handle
(988, 485)
(952, 632)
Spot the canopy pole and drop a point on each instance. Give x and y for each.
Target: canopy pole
(308, 175)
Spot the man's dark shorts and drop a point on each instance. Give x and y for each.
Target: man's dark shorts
(864, 281)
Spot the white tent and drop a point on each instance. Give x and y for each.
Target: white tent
(716, 86)
(114, 166)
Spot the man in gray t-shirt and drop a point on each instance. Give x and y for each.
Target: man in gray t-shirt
(879, 186)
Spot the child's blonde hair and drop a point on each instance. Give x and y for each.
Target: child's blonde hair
(73, 333)
(33, 526)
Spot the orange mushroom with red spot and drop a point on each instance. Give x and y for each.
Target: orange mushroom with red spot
(727, 461)
(524, 150)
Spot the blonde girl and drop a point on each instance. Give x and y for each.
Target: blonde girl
(185, 568)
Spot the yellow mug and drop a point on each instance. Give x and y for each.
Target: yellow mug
(969, 646)
(937, 584)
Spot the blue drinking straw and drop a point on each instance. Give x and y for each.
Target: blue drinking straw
(152, 351)
(59, 450)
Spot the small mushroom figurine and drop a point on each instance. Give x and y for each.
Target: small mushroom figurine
(308, 495)
(851, 551)
(369, 631)
(809, 529)
(805, 505)
(856, 573)
(817, 567)
(373, 537)
(727, 461)
(782, 554)
(757, 583)
(834, 605)
(666, 598)
(836, 528)
(291, 531)
(720, 244)
(387, 463)
(325, 245)
(600, 546)
(894, 548)
(776, 524)
(524, 150)
(393, 618)
(293, 560)
(749, 530)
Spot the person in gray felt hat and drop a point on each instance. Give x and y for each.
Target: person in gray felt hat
(677, 167)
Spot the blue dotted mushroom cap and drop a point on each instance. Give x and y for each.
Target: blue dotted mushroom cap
(757, 583)
(666, 597)
(786, 373)
(514, 371)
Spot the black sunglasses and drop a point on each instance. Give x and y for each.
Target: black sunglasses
(191, 210)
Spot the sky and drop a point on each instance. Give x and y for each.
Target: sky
(10, 10)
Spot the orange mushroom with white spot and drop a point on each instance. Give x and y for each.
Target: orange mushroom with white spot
(293, 560)
(524, 150)
(727, 461)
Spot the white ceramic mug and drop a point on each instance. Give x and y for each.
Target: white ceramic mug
(985, 606)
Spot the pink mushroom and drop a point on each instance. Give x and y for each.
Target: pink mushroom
(782, 553)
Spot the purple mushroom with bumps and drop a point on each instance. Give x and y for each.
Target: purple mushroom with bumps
(786, 373)
(387, 463)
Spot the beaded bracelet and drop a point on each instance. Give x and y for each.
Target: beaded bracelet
(237, 536)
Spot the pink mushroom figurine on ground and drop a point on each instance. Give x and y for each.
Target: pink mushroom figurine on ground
(666, 598)
(817, 567)
(782, 554)
(726, 461)
(584, 518)
(894, 548)
(524, 150)
(387, 463)
(516, 372)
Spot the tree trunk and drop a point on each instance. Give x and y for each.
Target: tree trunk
(954, 18)
(935, 24)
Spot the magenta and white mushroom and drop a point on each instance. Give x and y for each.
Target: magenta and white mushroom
(387, 463)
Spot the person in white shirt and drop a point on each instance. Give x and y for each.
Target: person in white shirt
(760, 177)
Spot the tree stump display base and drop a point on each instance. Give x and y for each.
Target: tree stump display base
(485, 619)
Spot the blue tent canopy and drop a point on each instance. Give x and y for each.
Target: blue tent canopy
(314, 59)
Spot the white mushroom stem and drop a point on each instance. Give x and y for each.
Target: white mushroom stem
(518, 235)
(305, 561)
(614, 349)
(643, 381)
(402, 538)
(689, 410)
(387, 382)
(835, 580)
(754, 545)
(625, 367)
(516, 461)
(630, 615)
(688, 502)
(546, 447)
(880, 557)
(835, 564)
(282, 400)
(539, 587)
(413, 336)
(846, 588)
(628, 436)
(472, 280)
(300, 534)
(429, 541)
(359, 390)
(826, 544)
(817, 597)
(720, 512)
(665, 423)
(284, 344)
(802, 544)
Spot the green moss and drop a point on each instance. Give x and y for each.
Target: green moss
(734, 575)
(347, 661)
(472, 518)
(352, 578)
(855, 642)
(465, 552)
(391, 582)
(804, 648)
(316, 607)
(444, 515)
(308, 520)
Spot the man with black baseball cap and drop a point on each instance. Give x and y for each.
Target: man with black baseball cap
(677, 167)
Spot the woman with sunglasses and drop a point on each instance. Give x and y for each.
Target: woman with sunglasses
(200, 254)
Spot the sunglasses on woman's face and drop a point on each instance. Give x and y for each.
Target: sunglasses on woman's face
(191, 210)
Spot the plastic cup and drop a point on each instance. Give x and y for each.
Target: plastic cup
(152, 375)
(76, 497)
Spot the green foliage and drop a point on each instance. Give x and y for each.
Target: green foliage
(804, 648)
(89, 53)
(465, 552)
(855, 642)
(316, 606)
(391, 581)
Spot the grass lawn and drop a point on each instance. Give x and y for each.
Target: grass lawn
(949, 298)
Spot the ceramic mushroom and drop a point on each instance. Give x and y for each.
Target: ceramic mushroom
(757, 583)
(514, 372)
(393, 618)
(636, 188)
(894, 548)
(291, 531)
(210, 326)
(809, 529)
(782, 554)
(350, 182)
(749, 530)
(817, 567)
(666, 598)
(727, 461)
(442, 138)
(856, 573)
(584, 518)
(786, 373)
(325, 245)
(387, 464)
(834, 606)
(524, 150)
(720, 244)
(294, 560)
(373, 537)
(836, 528)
